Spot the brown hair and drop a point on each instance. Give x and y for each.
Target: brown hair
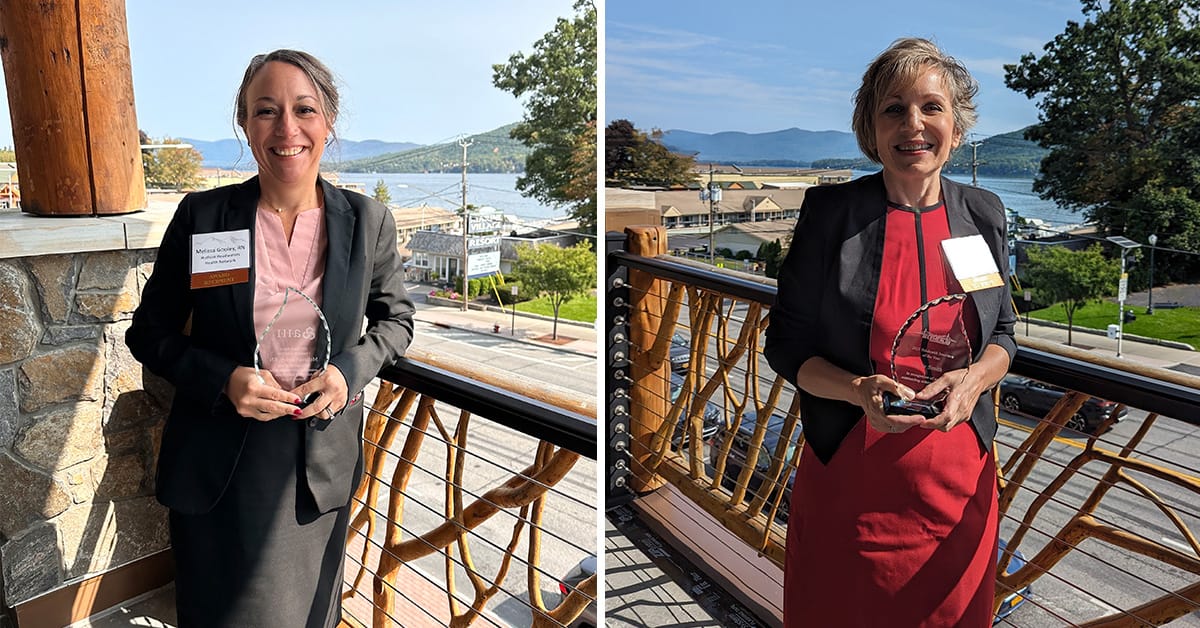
(316, 72)
(902, 64)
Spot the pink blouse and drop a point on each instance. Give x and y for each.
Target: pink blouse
(288, 350)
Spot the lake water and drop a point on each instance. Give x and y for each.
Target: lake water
(1018, 195)
(499, 191)
(445, 190)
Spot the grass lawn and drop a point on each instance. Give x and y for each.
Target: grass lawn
(581, 309)
(1179, 324)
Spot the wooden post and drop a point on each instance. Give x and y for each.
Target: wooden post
(70, 95)
(651, 377)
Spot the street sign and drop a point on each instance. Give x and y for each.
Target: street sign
(482, 224)
(1123, 287)
(483, 242)
(483, 264)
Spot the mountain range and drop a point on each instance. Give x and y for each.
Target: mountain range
(493, 151)
(234, 153)
(1007, 154)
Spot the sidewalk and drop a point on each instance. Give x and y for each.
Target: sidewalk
(572, 338)
(1133, 350)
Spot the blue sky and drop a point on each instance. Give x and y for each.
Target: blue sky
(764, 66)
(410, 71)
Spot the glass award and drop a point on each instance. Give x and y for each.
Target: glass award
(295, 345)
(933, 341)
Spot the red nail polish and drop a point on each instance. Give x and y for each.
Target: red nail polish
(297, 412)
(298, 401)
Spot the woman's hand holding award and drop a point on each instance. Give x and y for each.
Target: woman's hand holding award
(931, 343)
(295, 345)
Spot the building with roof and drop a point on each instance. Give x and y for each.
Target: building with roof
(437, 256)
(410, 220)
(684, 209)
(748, 236)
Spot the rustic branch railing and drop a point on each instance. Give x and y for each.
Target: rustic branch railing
(1125, 500)
(492, 502)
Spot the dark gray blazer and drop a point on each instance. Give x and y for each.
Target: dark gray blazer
(204, 434)
(827, 287)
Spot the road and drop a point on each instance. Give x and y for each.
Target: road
(577, 372)
(494, 453)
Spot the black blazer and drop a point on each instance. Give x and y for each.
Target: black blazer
(204, 434)
(827, 287)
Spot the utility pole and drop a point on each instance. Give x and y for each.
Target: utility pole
(464, 143)
(975, 163)
(713, 195)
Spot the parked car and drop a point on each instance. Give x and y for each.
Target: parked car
(1032, 397)
(680, 353)
(1013, 600)
(741, 445)
(580, 572)
(714, 415)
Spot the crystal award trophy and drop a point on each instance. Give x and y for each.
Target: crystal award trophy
(295, 345)
(932, 342)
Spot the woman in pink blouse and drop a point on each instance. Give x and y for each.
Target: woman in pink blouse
(258, 483)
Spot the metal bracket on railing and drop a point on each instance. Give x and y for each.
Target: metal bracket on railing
(617, 370)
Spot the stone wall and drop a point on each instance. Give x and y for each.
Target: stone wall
(80, 421)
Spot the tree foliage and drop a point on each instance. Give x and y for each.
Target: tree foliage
(170, 168)
(633, 158)
(1120, 114)
(561, 273)
(558, 81)
(771, 253)
(1059, 275)
(381, 192)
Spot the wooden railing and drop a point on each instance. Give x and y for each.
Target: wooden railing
(1111, 523)
(436, 426)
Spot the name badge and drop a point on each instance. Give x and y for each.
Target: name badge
(972, 263)
(220, 259)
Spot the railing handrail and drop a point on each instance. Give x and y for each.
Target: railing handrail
(1168, 398)
(569, 430)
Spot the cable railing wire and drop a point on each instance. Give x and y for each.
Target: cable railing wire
(469, 452)
(457, 561)
(479, 497)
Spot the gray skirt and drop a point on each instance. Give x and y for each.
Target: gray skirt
(263, 556)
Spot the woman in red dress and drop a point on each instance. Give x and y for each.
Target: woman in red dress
(893, 517)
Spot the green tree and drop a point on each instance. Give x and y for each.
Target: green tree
(171, 168)
(771, 253)
(633, 158)
(1059, 275)
(381, 193)
(558, 80)
(7, 154)
(560, 273)
(1119, 108)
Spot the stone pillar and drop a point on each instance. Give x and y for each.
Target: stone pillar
(70, 95)
(80, 422)
(651, 376)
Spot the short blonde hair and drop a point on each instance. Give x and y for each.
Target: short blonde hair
(902, 64)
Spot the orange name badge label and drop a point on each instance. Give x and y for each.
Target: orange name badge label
(971, 262)
(220, 259)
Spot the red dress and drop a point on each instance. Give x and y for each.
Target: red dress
(898, 530)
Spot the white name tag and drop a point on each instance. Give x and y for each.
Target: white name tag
(972, 263)
(221, 258)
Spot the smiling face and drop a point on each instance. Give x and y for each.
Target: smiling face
(285, 125)
(914, 128)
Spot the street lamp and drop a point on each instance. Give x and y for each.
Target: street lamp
(513, 330)
(1123, 287)
(1150, 300)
